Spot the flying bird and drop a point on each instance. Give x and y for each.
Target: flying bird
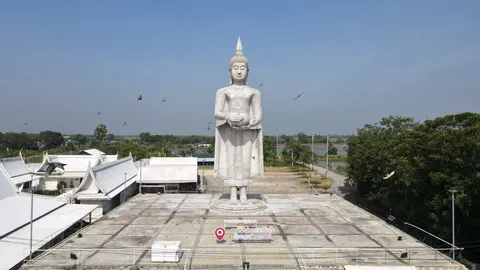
(139, 98)
(25, 124)
(124, 123)
(164, 100)
(99, 113)
(209, 123)
(260, 85)
(298, 96)
(389, 175)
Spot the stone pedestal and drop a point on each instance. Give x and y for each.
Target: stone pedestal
(250, 206)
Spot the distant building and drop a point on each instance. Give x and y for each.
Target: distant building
(206, 161)
(75, 169)
(168, 175)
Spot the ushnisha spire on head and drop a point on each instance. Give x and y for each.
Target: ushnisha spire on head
(239, 57)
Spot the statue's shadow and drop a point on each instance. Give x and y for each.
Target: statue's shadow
(249, 197)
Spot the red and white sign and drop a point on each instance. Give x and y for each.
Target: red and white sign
(219, 233)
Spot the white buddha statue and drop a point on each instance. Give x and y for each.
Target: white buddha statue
(238, 134)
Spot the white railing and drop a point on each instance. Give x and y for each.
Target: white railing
(303, 257)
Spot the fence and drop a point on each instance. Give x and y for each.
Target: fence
(206, 258)
(266, 190)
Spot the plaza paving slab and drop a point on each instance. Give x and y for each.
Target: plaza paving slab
(308, 230)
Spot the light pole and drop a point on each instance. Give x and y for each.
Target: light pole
(277, 143)
(326, 165)
(313, 150)
(203, 176)
(141, 165)
(125, 188)
(31, 215)
(453, 222)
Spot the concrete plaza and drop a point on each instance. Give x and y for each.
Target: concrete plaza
(309, 231)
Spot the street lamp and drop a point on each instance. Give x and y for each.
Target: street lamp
(277, 143)
(326, 162)
(125, 188)
(203, 176)
(141, 165)
(31, 215)
(453, 222)
(47, 168)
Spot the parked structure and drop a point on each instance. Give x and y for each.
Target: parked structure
(107, 185)
(168, 175)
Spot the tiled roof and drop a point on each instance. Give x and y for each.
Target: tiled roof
(94, 152)
(75, 163)
(110, 176)
(14, 166)
(173, 161)
(6, 187)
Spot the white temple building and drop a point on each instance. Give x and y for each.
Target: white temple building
(75, 170)
(52, 219)
(17, 172)
(107, 185)
(95, 152)
(168, 175)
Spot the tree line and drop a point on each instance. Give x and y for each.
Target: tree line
(429, 160)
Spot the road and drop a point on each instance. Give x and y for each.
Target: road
(338, 181)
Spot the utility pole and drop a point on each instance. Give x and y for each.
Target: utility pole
(326, 167)
(277, 143)
(313, 150)
(31, 215)
(453, 222)
(125, 188)
(141, 165)
(203, 176)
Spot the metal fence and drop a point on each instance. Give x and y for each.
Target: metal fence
(268, 257)
(266, 190)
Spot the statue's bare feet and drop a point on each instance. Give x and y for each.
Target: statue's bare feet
(244, 201)
(232, 202)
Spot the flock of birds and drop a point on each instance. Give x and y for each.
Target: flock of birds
(140, 98)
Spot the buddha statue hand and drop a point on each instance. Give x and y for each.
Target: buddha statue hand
(235, 117)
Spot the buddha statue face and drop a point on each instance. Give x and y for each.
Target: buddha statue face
(239, 72)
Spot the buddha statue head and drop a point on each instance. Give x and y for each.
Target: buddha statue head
(238, 66)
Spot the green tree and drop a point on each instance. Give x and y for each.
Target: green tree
(429, 159)
(269, 150)
(18, 141)
(332, 150)
(100, 132)
(81, 139)
(51, 139)
(109, 137)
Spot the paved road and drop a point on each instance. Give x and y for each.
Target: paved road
(338, 181)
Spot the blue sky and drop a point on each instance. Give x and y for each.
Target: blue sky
(356, 61)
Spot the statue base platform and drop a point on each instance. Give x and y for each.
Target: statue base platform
(224, 205)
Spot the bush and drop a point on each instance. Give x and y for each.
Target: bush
(47, 192)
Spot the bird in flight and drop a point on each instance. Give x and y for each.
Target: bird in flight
(99, 113)
(389, 175)
(124, 123)
(164, 100)
(25, 124)
(261, 84)
(139, 98)
(298, 96)
(209, 123)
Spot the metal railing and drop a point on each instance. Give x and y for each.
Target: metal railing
(209, 256)
(266, 190)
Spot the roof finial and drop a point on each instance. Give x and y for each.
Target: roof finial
(239, 45)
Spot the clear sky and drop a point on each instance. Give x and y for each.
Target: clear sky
(356, 61)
